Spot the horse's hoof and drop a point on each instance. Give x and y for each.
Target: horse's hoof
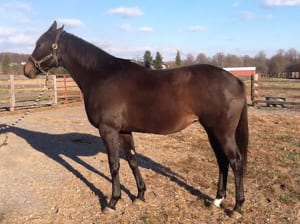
(236, 215)
(108, 210)
(138, 202)
(217, 202)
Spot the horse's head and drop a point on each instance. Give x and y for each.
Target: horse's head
(46, 53)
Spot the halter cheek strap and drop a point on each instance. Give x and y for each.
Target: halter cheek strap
(37, 64)
(53, 54)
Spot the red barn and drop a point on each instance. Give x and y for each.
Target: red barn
(241, 71)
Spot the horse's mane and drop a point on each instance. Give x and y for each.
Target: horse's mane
(88, 55)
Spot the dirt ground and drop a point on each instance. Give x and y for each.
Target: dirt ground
(54, 169)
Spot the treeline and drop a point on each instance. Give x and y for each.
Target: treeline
(11, 63)
(282, 62)
(13, 57)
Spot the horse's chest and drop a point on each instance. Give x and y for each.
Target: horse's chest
(104, 111)
(92, 116)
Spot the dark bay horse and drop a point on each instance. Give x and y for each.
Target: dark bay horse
(122, 97)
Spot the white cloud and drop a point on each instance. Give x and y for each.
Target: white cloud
(70, 22)
(126, 12)
(103, 44)
(236, 4)
(247, 15)
(17, 40)
(21, 38)
(268, 16)
(16, 11)
(196, 28)
(146, 29)
(280, 3)
(5, 31)
(16, 6)
(126, 27)
(134, 51)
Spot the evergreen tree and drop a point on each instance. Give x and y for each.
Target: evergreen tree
(5, 64)
(148, 60)
(178, 59)
(158, 62)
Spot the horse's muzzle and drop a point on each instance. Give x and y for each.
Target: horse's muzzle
(29, 70)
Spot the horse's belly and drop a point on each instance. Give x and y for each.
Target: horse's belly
(162, 123)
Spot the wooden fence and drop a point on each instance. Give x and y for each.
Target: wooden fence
(17, 92)
(275, 92)
(67, 90)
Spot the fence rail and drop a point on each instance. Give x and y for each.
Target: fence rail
(275, 92)
(17, 92)
(67, 89)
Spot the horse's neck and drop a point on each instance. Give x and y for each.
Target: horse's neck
(77, 73)
(83, 63)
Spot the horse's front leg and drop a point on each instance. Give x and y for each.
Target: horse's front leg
(127, 144)
(111, 140)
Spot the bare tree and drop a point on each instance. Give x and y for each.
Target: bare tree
(202, 59)
(189, 60)
(261, 62)
(292, 56)
(247, 61)
(232, 60)
(219, 59)
(278, 63)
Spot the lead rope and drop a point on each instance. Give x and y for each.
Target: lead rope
(27, 112)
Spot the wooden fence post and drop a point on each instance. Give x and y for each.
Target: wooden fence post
(12, 96)
(254, 89)
(65, 88)
(54, 90)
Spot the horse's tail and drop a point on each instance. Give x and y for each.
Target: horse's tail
(242, 135)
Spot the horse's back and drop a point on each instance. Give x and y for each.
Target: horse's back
(167, 101)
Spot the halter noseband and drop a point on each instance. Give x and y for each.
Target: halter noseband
(53, 54)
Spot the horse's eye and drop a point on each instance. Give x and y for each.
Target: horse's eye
(39, 45)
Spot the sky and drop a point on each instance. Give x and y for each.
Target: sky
(127, 28)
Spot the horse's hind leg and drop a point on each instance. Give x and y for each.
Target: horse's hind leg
(234, 156)
(126, 142)
(225, 144)
(223, 164)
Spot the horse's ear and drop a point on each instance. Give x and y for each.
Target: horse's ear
(61, 29)
(53, 26)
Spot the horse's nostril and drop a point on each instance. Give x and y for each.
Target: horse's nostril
(29, 70)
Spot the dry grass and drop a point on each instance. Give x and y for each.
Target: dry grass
(180, 172)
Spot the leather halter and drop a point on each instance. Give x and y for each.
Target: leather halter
(53, 54)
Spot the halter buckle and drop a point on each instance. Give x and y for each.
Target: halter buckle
(54, 46)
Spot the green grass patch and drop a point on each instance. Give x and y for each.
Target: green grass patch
(291, 156)
(289, 198)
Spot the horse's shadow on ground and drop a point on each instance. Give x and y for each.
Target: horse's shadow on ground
(74, 145)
